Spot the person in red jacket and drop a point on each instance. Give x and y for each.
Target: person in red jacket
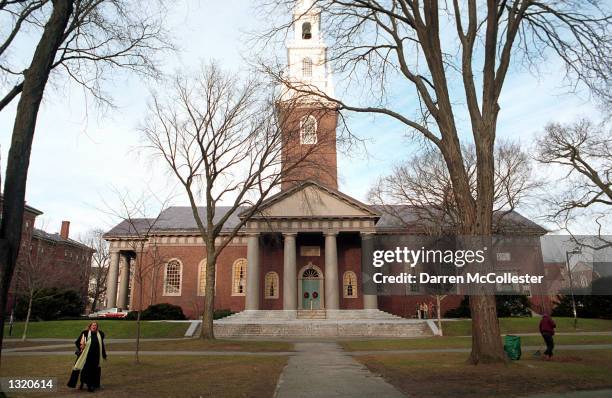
(547, 329)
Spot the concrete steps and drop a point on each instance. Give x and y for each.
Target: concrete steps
(311, 314)
(319, 324)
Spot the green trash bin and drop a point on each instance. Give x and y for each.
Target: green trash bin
(512, 346)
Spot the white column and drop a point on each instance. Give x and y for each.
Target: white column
(289, 273)
(111, 280)
(124, 281)
(370, 298)
(252, 289)
(332, 295)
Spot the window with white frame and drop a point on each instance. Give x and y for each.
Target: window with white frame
(307, 67)
(349, 281)
(173, 274)
(239, 270)
(271, 285)
(202, 278)
(308, 130)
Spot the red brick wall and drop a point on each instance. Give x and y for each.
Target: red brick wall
(271, 259)
(190, 257)
(316, 162)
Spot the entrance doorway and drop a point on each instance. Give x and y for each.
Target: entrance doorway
(311, 288)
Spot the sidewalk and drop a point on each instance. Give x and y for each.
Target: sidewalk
(325, 370)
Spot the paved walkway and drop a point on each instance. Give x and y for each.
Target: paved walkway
(35, 351)
(325, 370)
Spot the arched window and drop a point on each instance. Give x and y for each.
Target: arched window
(202, 278)
(271, 286)
(349, 282)
(173, 274)
(308, 130)
(307, 67)
(239, 270)
(306, 31)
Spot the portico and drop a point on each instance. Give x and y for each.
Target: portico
(309, 219)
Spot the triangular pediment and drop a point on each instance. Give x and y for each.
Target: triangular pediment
(311, 199)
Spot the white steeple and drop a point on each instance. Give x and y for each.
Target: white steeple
(306, 51)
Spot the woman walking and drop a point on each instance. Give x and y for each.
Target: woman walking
(90, 352)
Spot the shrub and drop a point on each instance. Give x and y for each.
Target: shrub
(51, 304)
(218, 314)
(159, 312)
(597, 306)
(507, 306)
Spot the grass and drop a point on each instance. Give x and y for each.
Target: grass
(460, 342)
(184, 345)
(235, 376)
(113, 329)
(529, 325)
(448, 374)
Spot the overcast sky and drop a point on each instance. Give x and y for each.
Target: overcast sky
(80, 153)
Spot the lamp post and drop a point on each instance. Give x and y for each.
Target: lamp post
(571, 285)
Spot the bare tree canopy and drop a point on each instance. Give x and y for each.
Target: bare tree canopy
(423, 183)
(82, 38)
(583, 151)
(100, 37)
(225, 139)
(138, 222)
(427, 64)
(99, 266)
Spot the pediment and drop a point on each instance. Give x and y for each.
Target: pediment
(310, 200)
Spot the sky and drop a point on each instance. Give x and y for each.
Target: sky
(82, 154)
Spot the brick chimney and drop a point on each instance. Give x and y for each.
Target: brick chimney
(65, 231)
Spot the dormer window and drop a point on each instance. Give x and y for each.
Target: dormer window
(307, 67)
(306, 31)
(308, 130)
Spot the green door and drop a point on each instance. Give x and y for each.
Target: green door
(311, 294)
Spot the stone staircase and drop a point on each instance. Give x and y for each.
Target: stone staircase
(319, 324)
(311, 314)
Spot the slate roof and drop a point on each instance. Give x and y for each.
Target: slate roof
(179, 220)
(56, 238)
(175, 219)
(401, 217)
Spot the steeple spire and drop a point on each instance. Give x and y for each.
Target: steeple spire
(307, 52)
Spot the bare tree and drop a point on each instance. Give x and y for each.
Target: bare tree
(423, 185)
(409, 49)
(225, 140)
(37, 270)
(139, 229)
(99, 266)
(418, 193)
(583, 151)
(82, 38)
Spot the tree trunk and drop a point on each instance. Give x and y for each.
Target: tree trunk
(24, 336)
(207, 332)
(486, 336)
(137, 348)
(35, 80)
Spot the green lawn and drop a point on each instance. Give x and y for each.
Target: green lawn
(114, 329)
(529, 325)
(460, 342)
(214, 376)
(194, 344)
(443, 375)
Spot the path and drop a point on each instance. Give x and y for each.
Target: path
(325, 370)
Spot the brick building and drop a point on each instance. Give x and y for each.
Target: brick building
(302, 251)
(66, 260)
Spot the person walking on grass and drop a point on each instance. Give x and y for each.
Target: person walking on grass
(547, 329)
(90, 352)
